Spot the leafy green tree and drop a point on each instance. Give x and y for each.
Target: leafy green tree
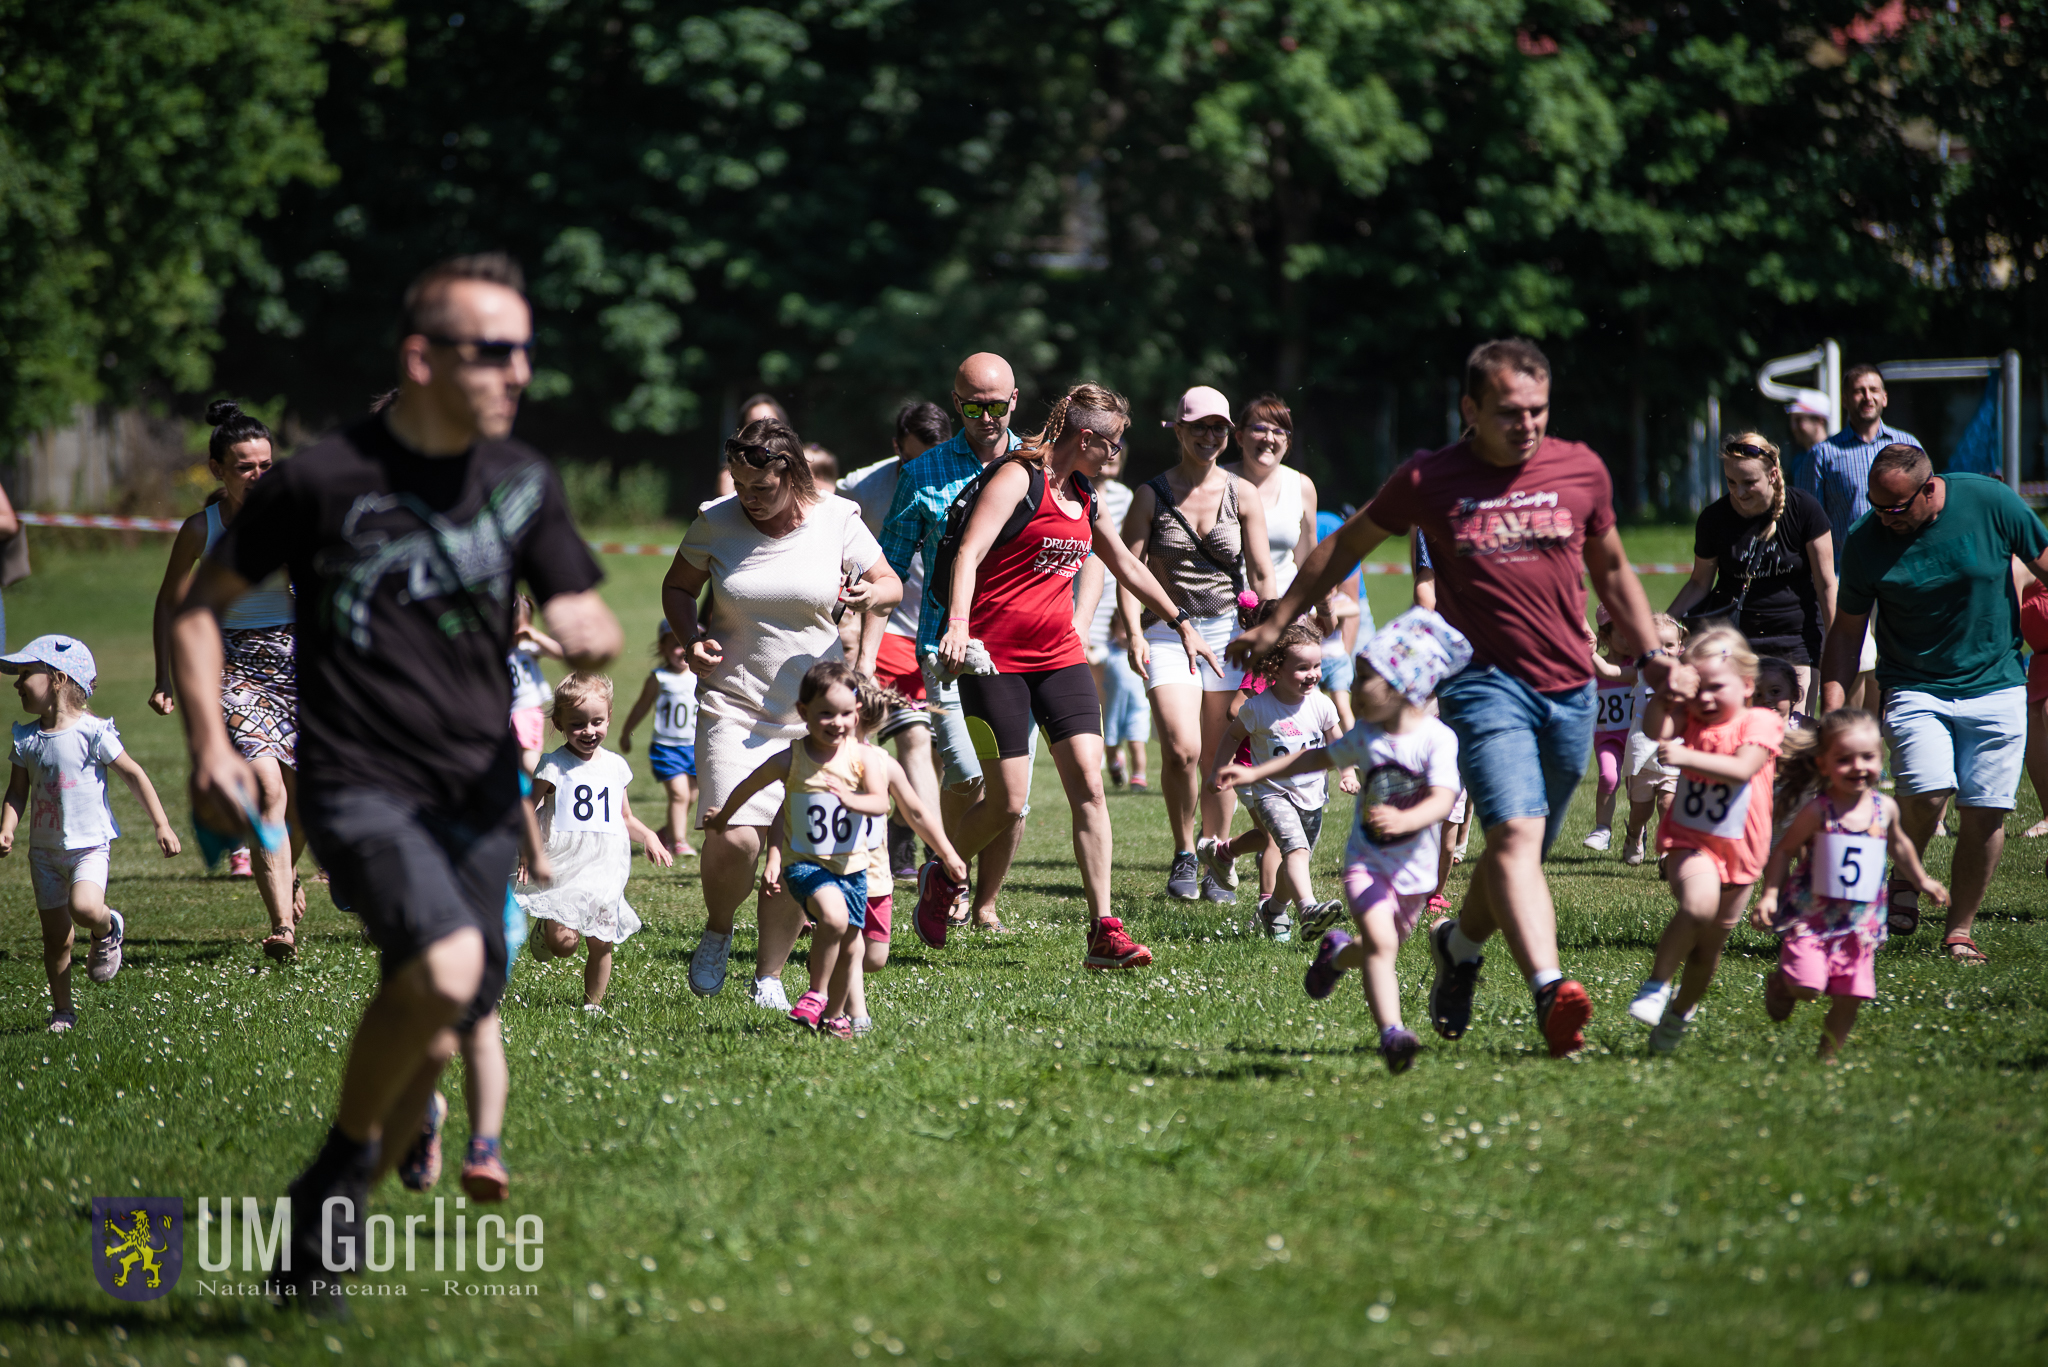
(138, 141)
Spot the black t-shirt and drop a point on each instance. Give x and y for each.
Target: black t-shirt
(405, 568)
(1782, 613)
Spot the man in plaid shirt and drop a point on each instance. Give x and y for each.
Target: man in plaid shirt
(985, 397)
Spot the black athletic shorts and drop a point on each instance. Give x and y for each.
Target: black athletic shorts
(415, 877)
(1001, 708)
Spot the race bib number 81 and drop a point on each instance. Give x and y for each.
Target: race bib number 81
(585, 806)
(1847, 867)
(1711, 806)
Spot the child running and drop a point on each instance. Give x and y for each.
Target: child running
(580, 790)
(1410, 761)
(531, 695)
(1290, 715)
(1650, 783)
(1831, 914)
(671, 694)
(1614, 698)
(60, 777)
(1718, 832)
(837, 795)
(1777, 687)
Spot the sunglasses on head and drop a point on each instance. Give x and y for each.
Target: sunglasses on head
(1746, 448)
(753, 457)
(485, 353)
(1899, 510)
(975, 408)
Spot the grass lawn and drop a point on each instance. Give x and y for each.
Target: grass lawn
(1028, 1163)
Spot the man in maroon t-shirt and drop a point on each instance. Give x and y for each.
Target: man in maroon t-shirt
(1511, 518)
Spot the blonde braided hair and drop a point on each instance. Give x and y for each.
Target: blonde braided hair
(1088, 405)
(1778, 494)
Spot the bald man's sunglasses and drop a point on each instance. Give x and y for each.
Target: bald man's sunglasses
(497, 355)
(970, 408)
(1900, 510)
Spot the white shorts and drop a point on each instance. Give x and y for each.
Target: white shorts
(1169, 663)
(52, 872)
(1647, 776)
(1976, 747)
(1867, 661)
(729, 750)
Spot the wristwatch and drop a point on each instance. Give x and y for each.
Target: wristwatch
(1650, 655)
(1185, 616)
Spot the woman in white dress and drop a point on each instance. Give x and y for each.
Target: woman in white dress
(782, 561)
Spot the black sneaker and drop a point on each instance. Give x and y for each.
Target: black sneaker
(310, 1284)
(1214, 891)
(1450, 986)
(1180, 882)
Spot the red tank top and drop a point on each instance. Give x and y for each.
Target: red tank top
(1024, 595)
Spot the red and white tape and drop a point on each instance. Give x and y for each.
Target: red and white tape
(95, 521)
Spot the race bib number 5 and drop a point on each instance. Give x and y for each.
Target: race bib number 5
(1711, 806)
(822, 825)
(1848, 867)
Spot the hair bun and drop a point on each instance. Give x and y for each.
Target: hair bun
(222, 410)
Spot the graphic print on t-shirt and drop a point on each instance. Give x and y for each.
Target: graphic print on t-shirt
(1390, 785)
(1525, 520)
(1063, 556)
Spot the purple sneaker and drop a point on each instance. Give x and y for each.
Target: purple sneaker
(1399, 1046)
(1321, 978)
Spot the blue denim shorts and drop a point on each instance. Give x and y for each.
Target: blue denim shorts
(1339, 673)
(1521, 752)
(672, 761)
(805, 879)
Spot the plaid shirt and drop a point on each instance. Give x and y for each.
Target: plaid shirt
(1837, 472)
(917, 516)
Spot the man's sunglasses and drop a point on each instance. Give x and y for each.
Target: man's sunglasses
(1900, 510)
(1749, 449)
(753, 457)
(486, 353)
(974, 408)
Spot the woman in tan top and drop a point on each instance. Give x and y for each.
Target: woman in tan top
(1202, 532)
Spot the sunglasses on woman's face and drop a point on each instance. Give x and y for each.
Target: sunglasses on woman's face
(974, 408)
(753, 457)
(1744, 448)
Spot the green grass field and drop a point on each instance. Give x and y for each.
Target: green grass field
(1028, 1163)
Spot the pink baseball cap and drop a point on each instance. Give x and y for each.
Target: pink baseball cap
(1202, 402)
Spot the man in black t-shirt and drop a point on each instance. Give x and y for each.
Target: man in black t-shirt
(405, 536)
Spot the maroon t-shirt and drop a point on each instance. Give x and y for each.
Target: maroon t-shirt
(1508, 544)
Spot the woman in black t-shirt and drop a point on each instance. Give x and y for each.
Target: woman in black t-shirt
(1767, 548)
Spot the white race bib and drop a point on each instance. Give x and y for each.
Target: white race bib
(1615, 709)
(877, 832)
(675, 710)
(1711, 805)
(585, 803)
(1848, 867)
(821, 825)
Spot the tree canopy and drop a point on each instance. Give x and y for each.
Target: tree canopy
(836, 199)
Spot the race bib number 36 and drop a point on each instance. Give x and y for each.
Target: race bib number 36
(1711, 806)
(1848, 867)
(822, 825)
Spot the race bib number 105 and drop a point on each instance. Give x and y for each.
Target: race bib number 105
(1711, 806)
(1847, 867)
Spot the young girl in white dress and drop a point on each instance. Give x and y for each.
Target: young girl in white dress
(580, 791)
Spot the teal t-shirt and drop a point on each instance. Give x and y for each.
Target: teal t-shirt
(1948, 621)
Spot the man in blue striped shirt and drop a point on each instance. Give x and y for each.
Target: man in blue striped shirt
(1837, 471)
(985, 397)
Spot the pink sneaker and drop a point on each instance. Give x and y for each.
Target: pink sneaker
(936, 894)
(839, 1027)
(239, 866)
(1110, 947)
(809, 1010)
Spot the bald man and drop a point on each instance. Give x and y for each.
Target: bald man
(985, 397)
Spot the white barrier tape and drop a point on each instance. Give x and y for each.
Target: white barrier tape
(93, 521)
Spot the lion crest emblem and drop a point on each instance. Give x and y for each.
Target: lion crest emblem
(138, 1246)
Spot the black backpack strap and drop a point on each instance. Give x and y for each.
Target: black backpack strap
(1233, 568)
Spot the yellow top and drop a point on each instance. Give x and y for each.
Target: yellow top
(819, 828)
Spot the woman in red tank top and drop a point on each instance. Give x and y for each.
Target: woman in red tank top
(1017, 599)
(2034, 630)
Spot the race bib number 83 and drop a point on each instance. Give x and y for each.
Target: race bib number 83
(1711, 806)
(1848, 867)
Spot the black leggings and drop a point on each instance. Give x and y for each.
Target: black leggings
(1001, 708)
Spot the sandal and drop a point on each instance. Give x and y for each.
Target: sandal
(1903, 915)
(298, 902)
(1963, 950)
(280, 944)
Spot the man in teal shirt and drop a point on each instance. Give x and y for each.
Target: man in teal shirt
(1937, 552)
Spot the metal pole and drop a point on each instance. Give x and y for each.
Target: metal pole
(2009, 415)
(1831, 378)
(1713, 460)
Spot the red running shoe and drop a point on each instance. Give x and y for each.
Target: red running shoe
(484, 1175)
(1562, 1009)
(1109, 947)
(936, 894)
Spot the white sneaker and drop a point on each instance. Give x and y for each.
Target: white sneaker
(769, 996)
(1651, 999)
(707, 963)
(1600, 839)
(1634, 855)
(105, 959)
(1221, 867)
(1668, 1034)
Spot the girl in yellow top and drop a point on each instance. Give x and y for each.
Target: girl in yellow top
(835, 786)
